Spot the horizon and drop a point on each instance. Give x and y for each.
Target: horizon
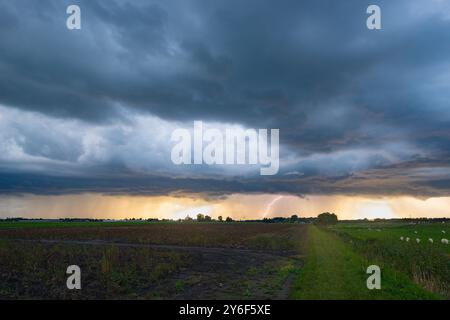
(194, 219)
(236, 206)
(358, 117)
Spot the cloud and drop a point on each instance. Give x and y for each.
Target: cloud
(91, 110)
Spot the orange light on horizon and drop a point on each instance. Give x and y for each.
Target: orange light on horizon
(237, 206)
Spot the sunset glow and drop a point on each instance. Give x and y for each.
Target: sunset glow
(237, 206)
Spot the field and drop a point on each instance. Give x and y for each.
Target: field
(334, 270)
(190, 260)
(423, 261)
(151, 261)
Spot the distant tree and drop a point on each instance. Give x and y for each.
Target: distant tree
(228, 219)
(220, 218)
(327, 218)
(294, 218)
(200, 217)
(188, 218)
(207, 218)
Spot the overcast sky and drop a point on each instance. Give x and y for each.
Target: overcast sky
(361, 112)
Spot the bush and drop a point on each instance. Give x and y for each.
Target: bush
(327, 218)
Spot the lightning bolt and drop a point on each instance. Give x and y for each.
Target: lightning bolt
(270, 205)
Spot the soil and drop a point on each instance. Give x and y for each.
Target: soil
(215, 272)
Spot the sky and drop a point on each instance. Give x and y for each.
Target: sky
(86, 116)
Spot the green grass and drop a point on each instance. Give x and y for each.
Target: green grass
(333, 270)
(393, 231)
(425, 263)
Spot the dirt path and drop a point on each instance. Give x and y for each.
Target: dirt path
(222, 250)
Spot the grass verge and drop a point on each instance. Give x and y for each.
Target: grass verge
(334, 271)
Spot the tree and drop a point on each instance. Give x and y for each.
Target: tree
(207, 218)
(294, 218)
(327, 218)
(228, 219)
(200, 217)
(220, 218)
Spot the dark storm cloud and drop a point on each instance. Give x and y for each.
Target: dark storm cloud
(347, 100)
(389, 181)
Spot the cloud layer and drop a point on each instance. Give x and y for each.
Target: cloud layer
(91, 110)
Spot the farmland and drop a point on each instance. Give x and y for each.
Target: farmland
(425, 262)
(242, 260)
(334, 270)
(152, 261)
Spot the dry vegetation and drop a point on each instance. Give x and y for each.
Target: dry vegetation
(233, 235)
(204, 260)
